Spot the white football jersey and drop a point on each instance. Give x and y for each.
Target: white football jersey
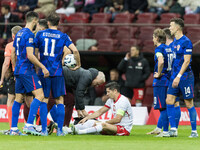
(124, 104)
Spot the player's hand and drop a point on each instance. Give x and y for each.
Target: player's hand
(46, 72)
(175, 82)
(79, 113)
(83, 120)
(157, 75)
(84, 113)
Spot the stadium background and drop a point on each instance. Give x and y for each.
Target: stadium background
(115, 38)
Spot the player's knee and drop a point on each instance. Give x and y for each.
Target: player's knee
(40, 97)
(189, 103)
(104, 125)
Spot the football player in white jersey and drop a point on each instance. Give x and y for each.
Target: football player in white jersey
(120, 106)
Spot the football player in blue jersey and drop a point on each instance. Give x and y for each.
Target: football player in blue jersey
(25, 75)
(50, 43)
(161, 79)
(182, 78)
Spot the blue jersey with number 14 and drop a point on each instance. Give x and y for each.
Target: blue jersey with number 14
(51, 43)
(23, 39)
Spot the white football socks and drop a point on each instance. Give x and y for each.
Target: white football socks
(95, 129)
(87, 124)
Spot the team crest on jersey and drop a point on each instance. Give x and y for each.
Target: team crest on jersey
(30, 40)
(39, 83)
(178, 47)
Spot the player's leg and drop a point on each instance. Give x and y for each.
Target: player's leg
(172, 93)
(60, 114)
(11, 98)
(187, 87)
(19, 89)
(10, 101)
(15, 114)
(193, 115)
(33, 84)
(58, 90)
(177, 112)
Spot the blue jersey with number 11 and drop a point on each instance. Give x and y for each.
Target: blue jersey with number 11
(23, 39)
(51, 43)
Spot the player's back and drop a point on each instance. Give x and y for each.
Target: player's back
(51, 43)
(163, 80)
(23, 39)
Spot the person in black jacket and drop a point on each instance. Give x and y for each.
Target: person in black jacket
(7, 17)
(135, 6)
(77, 83)
(137, 70)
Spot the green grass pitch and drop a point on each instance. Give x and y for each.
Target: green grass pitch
(138, 140)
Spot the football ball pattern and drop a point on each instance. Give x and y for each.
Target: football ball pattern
(70, 61)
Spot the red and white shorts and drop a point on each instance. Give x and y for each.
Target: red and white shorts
(121, 131)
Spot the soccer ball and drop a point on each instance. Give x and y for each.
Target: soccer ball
(70, 61)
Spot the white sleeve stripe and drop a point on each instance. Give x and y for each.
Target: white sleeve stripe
(188, 50)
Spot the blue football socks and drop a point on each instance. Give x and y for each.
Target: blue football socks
(15, 113)
(165, 120)
(43, 115)
(60, 116)
(193, 117)
(53, 113)
(177, 115)
(171, 115)
(160, 124)
(33, 110)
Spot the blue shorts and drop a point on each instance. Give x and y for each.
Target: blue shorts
(56, 85)
(185, 87)
(27, 83)
(160, 95)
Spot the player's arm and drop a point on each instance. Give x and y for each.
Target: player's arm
(66, 51)
(186, 63)
(35, 61)
(13, 57)
(160, 64)
(5, 67)
(118, 118)
(76, 56)
(95, 114)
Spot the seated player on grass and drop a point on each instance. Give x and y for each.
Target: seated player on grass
(120, 106)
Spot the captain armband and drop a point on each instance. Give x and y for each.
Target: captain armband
(120, 112)
(158, 54)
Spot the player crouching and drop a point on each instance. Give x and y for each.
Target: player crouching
(122, 122)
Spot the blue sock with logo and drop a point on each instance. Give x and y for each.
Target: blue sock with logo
(171, 115)
(53, 113)
(193, 117)
(43, 115)
(160, 124)
(33, 110)
(177, 115)
(165, 120)
(15, 113)
(60, 116)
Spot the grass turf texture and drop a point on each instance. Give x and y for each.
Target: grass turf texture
(137, 140)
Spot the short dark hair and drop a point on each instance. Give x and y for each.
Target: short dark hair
(43, 22)
(113, 86)
(53, 19)
(168, 33)
(178, 21)
(31, 15)
(6, 7)
(160, 34)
